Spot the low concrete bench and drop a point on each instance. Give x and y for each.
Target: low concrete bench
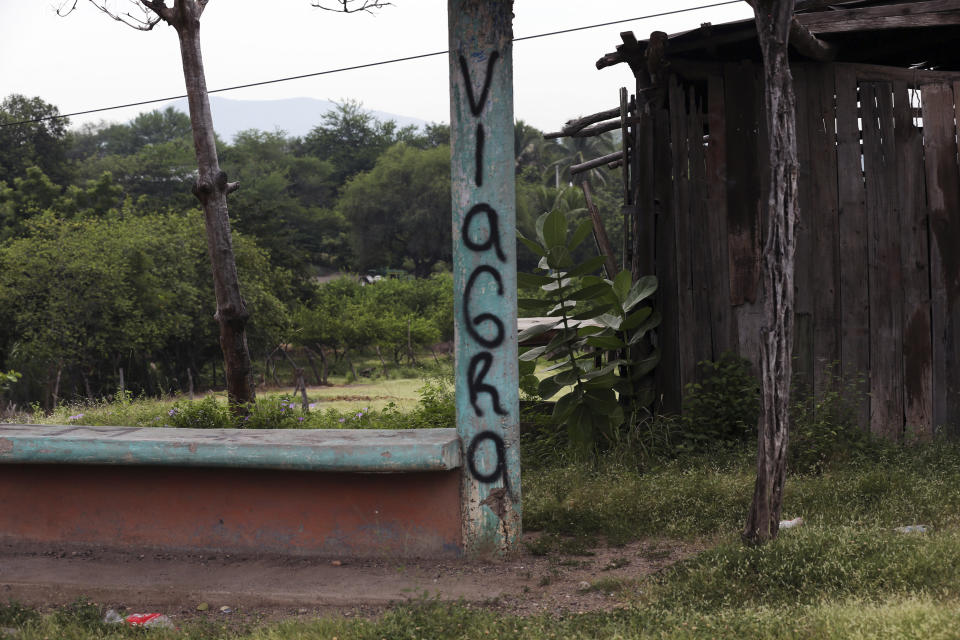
(346, 492)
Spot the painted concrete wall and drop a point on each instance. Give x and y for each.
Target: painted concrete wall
(485, 270)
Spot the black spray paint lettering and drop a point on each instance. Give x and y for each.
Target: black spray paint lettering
(493, 239)
(500, 467)
(476, 108)
(476, 374)
(480, 363)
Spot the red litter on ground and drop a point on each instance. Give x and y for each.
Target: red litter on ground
(145, 620)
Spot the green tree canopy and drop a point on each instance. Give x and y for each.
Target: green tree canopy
(41, 143)
(400, 210)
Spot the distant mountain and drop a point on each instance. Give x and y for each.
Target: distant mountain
(295, 116)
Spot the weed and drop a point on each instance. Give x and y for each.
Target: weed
(15, 615)
(722, 408)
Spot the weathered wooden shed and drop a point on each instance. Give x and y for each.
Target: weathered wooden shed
(878, 246)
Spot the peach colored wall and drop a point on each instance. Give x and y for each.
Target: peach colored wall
(337, 514)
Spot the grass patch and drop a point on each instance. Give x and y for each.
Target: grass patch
(424, 404)
(920, 617)
(815, 564)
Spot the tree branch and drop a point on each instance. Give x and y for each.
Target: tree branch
(345, 6)
(153, 12)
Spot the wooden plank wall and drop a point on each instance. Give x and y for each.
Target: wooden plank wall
(878, 265)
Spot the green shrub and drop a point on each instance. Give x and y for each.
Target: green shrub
(200, 414)
(723, 407)
(823, 426)
(274, 412)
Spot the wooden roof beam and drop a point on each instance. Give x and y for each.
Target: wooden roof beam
(929, 13)
(805, 42)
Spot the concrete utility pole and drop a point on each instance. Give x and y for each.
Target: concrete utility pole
(485, 270)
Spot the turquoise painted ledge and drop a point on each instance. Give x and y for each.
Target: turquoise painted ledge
(344, 450)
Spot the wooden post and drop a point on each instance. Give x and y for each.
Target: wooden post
(485, 271)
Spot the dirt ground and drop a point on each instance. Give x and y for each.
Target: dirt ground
(269, 587)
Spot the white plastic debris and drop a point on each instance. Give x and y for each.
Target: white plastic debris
(144, 620)
(790, 524)
(912, 528)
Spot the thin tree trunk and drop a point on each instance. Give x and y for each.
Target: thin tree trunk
(301, 386)
(212, 189)
(773, 26)
(313, 366)
(56, 387)
(350, 362)
(323, 361)
(123, 385)
(410, 354)
(382, 362)
(190, 382)
(86, 386)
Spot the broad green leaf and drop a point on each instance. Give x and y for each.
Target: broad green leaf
(609, 320)
(534, 247)
(547, 388)
(532, 354)
(588, 330)
(621, 285)
(604, 401)
(586, 293)
(554, 230)
(589, 281)
(555, 284)
(581, 233)
(642, 367)
(569, 305)
(641, 290)
(651, 322)
(535, 330)
(532, 281)
(587, 267)
(564, 406)
(592, 312)
(567, 378)
(606, 381)
(636, 318)
(559, 257)
(607, 343)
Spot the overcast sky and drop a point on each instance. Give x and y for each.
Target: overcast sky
(86, 60)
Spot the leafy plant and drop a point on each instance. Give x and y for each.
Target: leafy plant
(723, 407)
(593, 316)
(823, 426)
(200, 414)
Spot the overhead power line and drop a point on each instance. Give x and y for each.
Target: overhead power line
(366, 65)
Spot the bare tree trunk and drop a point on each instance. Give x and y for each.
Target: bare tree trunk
(56, 387)
(313, 366)
(123, 384)
(773, 26)
(301, 386)
(382, 362)
(190, 382)
(323, 360)
(350, 362)
(410, 353)
(212, 189)
(86, 386)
